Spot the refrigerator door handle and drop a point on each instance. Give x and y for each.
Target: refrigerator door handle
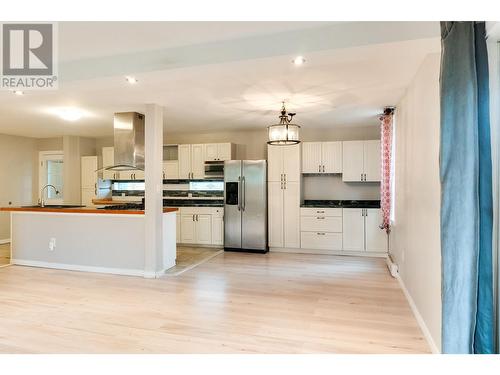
(239, 193)
(243, 203)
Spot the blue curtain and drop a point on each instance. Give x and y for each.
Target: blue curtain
(466, 191)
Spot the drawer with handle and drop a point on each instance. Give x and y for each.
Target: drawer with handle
(321, 240)
(312, 211)
(321, 223)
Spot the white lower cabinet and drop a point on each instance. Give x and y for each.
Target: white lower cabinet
(354, 229)
(375, 238)
(284, 214)
(362, 231)
(321, 228)
(201, 226)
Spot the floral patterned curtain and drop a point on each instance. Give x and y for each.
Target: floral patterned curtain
(386, 149)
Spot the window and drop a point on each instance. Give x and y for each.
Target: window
(51, 172)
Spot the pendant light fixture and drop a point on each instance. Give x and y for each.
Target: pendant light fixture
(284, 133)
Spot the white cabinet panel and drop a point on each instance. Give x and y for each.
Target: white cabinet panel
(217, 230)
(331, 156)
(311, 157)
(275, 213)
(88, 172)
(108, 160)
(184, 161)
(291, 215)
(321, 240)
(321, 224)
(353, 227)
(197, 161)
(188, 234)
(320, 211)
(211, 151)
(291, 162)
(203, 229)
(371, 161)
(178, 227)
(224, 151)
(274, 163)
(375, 238)
(171, 170)
(352, 161)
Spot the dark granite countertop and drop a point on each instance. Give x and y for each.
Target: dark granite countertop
(341, 203)
(193, 203)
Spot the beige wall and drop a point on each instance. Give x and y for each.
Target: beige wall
(332, 188)
(415, 237)
(17, 166)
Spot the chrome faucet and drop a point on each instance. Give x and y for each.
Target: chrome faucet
(41, 201)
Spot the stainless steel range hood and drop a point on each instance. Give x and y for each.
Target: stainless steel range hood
(128, 141)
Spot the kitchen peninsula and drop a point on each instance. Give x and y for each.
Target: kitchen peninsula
(88, 239)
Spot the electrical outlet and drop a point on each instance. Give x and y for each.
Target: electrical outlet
(52, 244)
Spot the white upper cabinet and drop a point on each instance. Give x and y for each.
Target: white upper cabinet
(375, 238)
(184, 162)
(322, 157)
(361, 161)
(108, 160)
(311, 157)
(371, 161)
(219, 151)
(283, 163)
(171, 169)
(331, 156)
(352, 161)
(197, 161)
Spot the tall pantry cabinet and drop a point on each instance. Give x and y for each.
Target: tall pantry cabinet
(284, 163)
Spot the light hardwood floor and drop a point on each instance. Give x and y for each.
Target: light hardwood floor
(234, 303)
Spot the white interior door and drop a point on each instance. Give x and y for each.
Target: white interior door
(311, 157)
(331, 156)
(375, 238)
(291, 215)
(275, 213)
(353, 229)
(352, 161)
(372, 162)
(184, 161)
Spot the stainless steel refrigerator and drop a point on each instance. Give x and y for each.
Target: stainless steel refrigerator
(245, 205)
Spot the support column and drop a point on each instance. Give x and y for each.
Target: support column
(153, 155)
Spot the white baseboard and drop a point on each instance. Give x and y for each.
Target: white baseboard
(327, 252)
(2, 242)
(74, 267)
(418, 317)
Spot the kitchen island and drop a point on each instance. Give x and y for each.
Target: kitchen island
(88, 239)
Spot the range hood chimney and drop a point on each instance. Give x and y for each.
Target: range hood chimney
(129, 141)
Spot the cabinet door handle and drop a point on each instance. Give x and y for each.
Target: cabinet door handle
(361, 176)
(323, 168)
(320, 233)
(319, 168)
(320, 212)
(193, 217)
(95, 188)
(320, 217)
(365, 176)
(281, 183)
(281, 177)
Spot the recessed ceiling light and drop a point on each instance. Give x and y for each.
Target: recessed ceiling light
(17, 92)
(299, 60)
(70, 113)
(131, 80)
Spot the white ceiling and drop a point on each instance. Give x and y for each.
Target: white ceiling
(224, 76)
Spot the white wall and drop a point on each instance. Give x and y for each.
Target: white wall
(17, 166)
(415, 237)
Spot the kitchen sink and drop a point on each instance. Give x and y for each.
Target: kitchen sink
(54, 206)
